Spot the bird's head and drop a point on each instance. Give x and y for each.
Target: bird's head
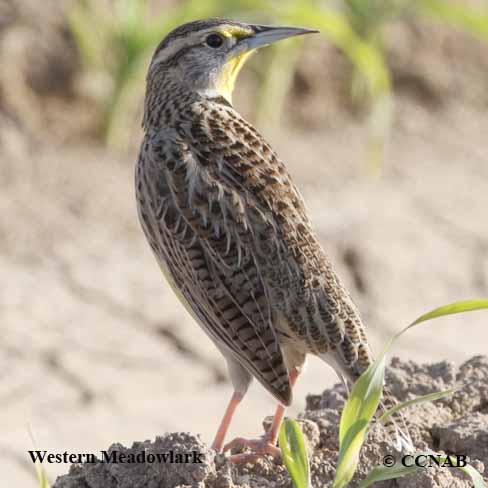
(207, 55)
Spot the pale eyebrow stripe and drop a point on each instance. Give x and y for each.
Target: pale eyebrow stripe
(171, 50)
(185, 40)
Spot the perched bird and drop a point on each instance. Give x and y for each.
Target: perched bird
(229, 228)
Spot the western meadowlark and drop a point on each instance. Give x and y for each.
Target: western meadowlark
(229, 228)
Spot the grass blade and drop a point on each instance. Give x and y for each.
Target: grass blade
(42, 479)
(383, 473)
(349, 453)
(43, 482)
(450, 309)
(358, 411)
(366, 394)
(475, 476)
(294, 453)
(364, 398)
(431, 397)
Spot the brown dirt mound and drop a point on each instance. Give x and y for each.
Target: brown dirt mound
(456, 425)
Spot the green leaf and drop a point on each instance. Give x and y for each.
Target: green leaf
(475, 476)
(42, 477)
(450, 309)
(431, 397)
(366, 394)
(294, 453)
(358, 411)
(349, 453)
(383, 473)
(364, 397)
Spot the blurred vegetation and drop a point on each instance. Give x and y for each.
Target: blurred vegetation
(117, 37)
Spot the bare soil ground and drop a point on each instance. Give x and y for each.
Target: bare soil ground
(454, 425)
(96, 348)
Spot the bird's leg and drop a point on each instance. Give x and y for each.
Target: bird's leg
(265, 445)
(226, 420)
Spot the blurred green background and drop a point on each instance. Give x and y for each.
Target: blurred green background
(382, 121)
(116, 38)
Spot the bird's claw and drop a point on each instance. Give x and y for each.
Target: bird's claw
(259, 448)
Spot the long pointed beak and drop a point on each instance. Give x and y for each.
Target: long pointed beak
(266, 35)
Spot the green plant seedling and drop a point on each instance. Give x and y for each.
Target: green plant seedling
(365, 396)
(294, 453)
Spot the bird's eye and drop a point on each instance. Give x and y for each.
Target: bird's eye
(214, 40)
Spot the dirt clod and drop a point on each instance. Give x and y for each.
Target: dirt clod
(149, 474)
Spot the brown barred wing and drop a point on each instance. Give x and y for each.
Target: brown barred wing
(299, 280)
(203, 246)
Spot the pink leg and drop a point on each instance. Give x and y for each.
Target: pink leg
(266, 445)
(224, 425)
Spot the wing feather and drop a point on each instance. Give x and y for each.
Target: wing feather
(205, 242)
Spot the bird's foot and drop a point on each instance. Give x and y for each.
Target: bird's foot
(259, 448)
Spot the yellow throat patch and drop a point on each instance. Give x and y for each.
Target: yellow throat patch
(225, 83)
